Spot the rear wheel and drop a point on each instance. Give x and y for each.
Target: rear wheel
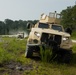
(64, 56)
(29, 52)
(67, 56)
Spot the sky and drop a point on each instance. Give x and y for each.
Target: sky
(31, 9)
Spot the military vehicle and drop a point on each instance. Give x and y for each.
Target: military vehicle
(49, 33)
(20, 35)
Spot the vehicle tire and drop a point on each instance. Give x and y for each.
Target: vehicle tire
(67, 56)
(64, 56)
(29, 52)
(37, 49)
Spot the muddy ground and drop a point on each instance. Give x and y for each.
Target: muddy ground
(16, 68)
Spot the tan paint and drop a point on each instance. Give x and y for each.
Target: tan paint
(49, 20)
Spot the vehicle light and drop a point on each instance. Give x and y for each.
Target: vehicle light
(64, 39)
(37, 34)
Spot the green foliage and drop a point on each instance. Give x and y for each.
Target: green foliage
(74, 34)
(69, 17)
(46, 55)
(11, 27)
(5, 56)
(12, 49)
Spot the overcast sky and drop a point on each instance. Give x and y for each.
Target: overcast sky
(31, 9)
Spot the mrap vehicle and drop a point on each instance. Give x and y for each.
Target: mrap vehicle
(48, 32)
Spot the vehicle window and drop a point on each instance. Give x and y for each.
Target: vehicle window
(43, 25)
(55, 27)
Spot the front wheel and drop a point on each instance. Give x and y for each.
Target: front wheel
(29, 52)
(64, 56)
(67, 56)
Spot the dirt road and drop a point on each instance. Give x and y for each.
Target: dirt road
(74, 41)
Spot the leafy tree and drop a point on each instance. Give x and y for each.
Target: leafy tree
(2, 27)
(74, 17)
(69, 17)
(8, 24)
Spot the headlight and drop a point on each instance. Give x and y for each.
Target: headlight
(37, 34)
(64, 39)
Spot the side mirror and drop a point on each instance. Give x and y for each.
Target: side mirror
(68, 30)
(29, 26)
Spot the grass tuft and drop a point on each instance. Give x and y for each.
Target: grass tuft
(46, 55)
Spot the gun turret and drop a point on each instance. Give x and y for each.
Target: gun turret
(54, 18)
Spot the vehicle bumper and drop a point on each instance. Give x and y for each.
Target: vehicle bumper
(67, 47)
(33, 44)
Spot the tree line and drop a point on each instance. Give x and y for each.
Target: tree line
(9, 26)
(69, 17)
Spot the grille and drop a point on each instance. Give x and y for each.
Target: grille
(46, 37)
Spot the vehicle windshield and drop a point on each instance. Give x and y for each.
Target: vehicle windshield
(55, 27)
(43, 25)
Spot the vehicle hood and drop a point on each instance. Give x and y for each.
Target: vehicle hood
(51, 31)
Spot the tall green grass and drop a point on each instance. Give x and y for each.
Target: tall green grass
(5, 56)
(46, 55)
(11, 49)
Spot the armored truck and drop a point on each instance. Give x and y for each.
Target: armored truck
(49, 33)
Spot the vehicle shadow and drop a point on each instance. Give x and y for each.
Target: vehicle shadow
(36, 58)
(72, 63)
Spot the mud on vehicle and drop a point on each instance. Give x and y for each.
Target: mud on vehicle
(49, 33)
